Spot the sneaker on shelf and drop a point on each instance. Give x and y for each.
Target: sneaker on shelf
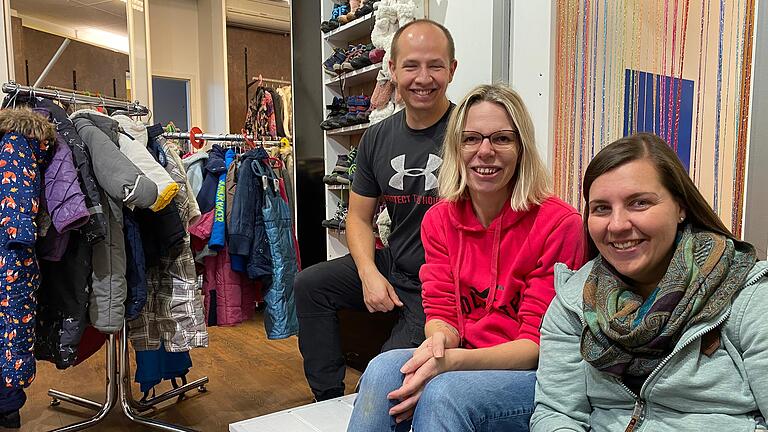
(339, 219)
(337, 110)
(363, 108)
(338, 67)
(363, 59)
(376, 55)
(350, 117)
(365, 9)
(352, 164)
(338, 57)
(337, 179)
(342, 164)
(333, 23)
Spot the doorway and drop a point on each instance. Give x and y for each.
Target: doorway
(171, 101)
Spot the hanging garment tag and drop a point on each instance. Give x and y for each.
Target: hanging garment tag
(265, 182)
(277, 185)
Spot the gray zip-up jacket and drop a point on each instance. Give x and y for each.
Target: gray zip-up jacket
(689, 391)
(122, 183)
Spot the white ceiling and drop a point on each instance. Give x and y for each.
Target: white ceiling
(104, 22)
(106, 15)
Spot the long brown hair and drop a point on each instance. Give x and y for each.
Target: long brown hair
(672, 175)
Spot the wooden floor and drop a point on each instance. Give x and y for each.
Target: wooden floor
(249, 376)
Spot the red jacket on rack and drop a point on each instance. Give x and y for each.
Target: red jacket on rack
(494, 284)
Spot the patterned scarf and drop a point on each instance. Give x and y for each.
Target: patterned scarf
(625, 335)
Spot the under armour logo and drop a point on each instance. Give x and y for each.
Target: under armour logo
(430, 180)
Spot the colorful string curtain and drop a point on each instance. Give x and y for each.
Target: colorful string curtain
(678, 68)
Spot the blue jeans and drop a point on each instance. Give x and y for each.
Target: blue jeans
(487, 400)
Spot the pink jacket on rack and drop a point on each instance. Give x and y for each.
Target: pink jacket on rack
(494, 284)
(231, 296)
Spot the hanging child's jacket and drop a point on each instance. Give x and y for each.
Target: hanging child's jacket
(23, 151)
(122, 183)
(95, 229)
(280, 315)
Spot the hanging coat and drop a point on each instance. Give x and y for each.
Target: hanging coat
(133, 143)
(280, 314)
(214, 167)
(23, 151)
(96, 226)
(62, 312)
(194, 165)
(229, 297)
(173, 315)
(219, 233)
(247, 234)
(65, 200)
(136, 269)
(123, 184)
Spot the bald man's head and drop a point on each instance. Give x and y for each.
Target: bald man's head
(449, 45)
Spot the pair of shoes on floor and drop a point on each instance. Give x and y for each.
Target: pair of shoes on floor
(10, 420)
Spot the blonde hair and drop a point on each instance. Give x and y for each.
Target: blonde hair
(532, 184)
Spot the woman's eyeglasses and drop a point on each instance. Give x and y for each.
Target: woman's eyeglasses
(500, 140)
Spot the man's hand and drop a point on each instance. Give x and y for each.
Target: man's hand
(378, 293)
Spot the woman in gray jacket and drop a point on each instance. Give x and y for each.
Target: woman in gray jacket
(665, 329)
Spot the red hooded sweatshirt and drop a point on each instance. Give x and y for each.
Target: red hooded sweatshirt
(494, 284)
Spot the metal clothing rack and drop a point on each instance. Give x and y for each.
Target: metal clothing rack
(228, 138)
(118, 382)
(133, 108)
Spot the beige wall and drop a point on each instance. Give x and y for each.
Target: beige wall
(269, 54)
(95, 67)
(174, 46)
(187, 42)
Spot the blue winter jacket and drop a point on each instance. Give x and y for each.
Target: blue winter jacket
(219, 230)
(215, 166)
(247, 233)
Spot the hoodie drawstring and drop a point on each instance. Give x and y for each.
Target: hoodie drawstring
(494, 266)
(457, 289)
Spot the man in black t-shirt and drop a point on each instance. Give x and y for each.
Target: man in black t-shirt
(397, 161)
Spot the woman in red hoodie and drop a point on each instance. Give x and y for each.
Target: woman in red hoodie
(490, 247)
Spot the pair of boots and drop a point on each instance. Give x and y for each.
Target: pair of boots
(355, 110)
(340, 173)
(339, 10)
(339, 219)
(10, 420)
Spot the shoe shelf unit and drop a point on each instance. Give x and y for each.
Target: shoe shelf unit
(355, 77)
(352, 30)
(349, 130)
(340, 141)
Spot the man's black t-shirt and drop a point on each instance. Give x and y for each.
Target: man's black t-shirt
(400, 165)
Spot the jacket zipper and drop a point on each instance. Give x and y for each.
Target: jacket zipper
(638, 413)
